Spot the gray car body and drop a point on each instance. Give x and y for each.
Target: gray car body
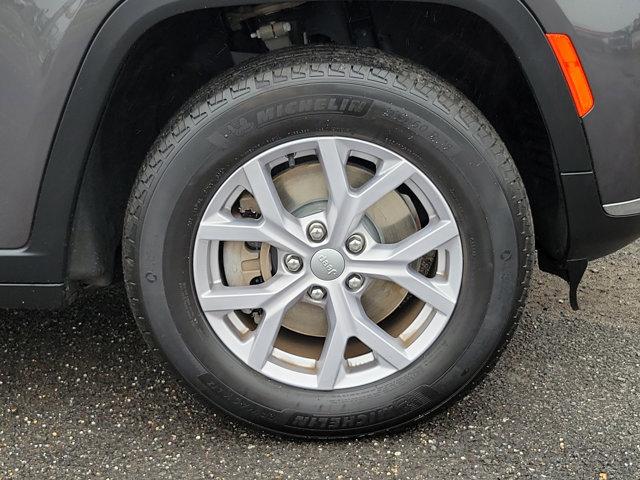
(47, 45)
(42, 44)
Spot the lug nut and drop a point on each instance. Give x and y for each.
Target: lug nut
(317, 231)
(316, 292)
(355, 243)
(293, 263)
(355, 281)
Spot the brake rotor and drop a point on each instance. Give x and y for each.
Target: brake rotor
(303, 191)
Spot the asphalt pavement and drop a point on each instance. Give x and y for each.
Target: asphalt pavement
(82, 397)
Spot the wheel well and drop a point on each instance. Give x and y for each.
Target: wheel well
(178, 55)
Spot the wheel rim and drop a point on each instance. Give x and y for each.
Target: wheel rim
(268, 314)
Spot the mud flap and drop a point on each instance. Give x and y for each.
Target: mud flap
(571, 271)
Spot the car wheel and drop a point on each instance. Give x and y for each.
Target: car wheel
(328, 242)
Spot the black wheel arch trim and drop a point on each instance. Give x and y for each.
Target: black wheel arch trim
(44, 258)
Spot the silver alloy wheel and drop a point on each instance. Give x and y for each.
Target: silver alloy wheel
(248, 318)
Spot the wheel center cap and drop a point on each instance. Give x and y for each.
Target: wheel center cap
(327, 264)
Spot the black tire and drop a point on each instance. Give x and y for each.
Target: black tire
(411, 111)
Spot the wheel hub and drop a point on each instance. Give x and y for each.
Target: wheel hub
(327, 264)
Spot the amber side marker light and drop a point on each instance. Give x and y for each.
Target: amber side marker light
(573, 72)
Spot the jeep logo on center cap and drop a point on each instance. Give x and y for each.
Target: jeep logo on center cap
(327, 264)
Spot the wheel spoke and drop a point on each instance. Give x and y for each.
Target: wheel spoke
(347, 206)
(264, 337)
(332, 358)
(279, 227)
(393, 174)
(424, 241)
(333, 158)
(414, 246)
(223, 298)
(274, 309)
(265, 193)
(380, 342)
(383, 345)
(426, 289)
(230, 298)
(354, 322)
(226, 228)
(391, 263)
